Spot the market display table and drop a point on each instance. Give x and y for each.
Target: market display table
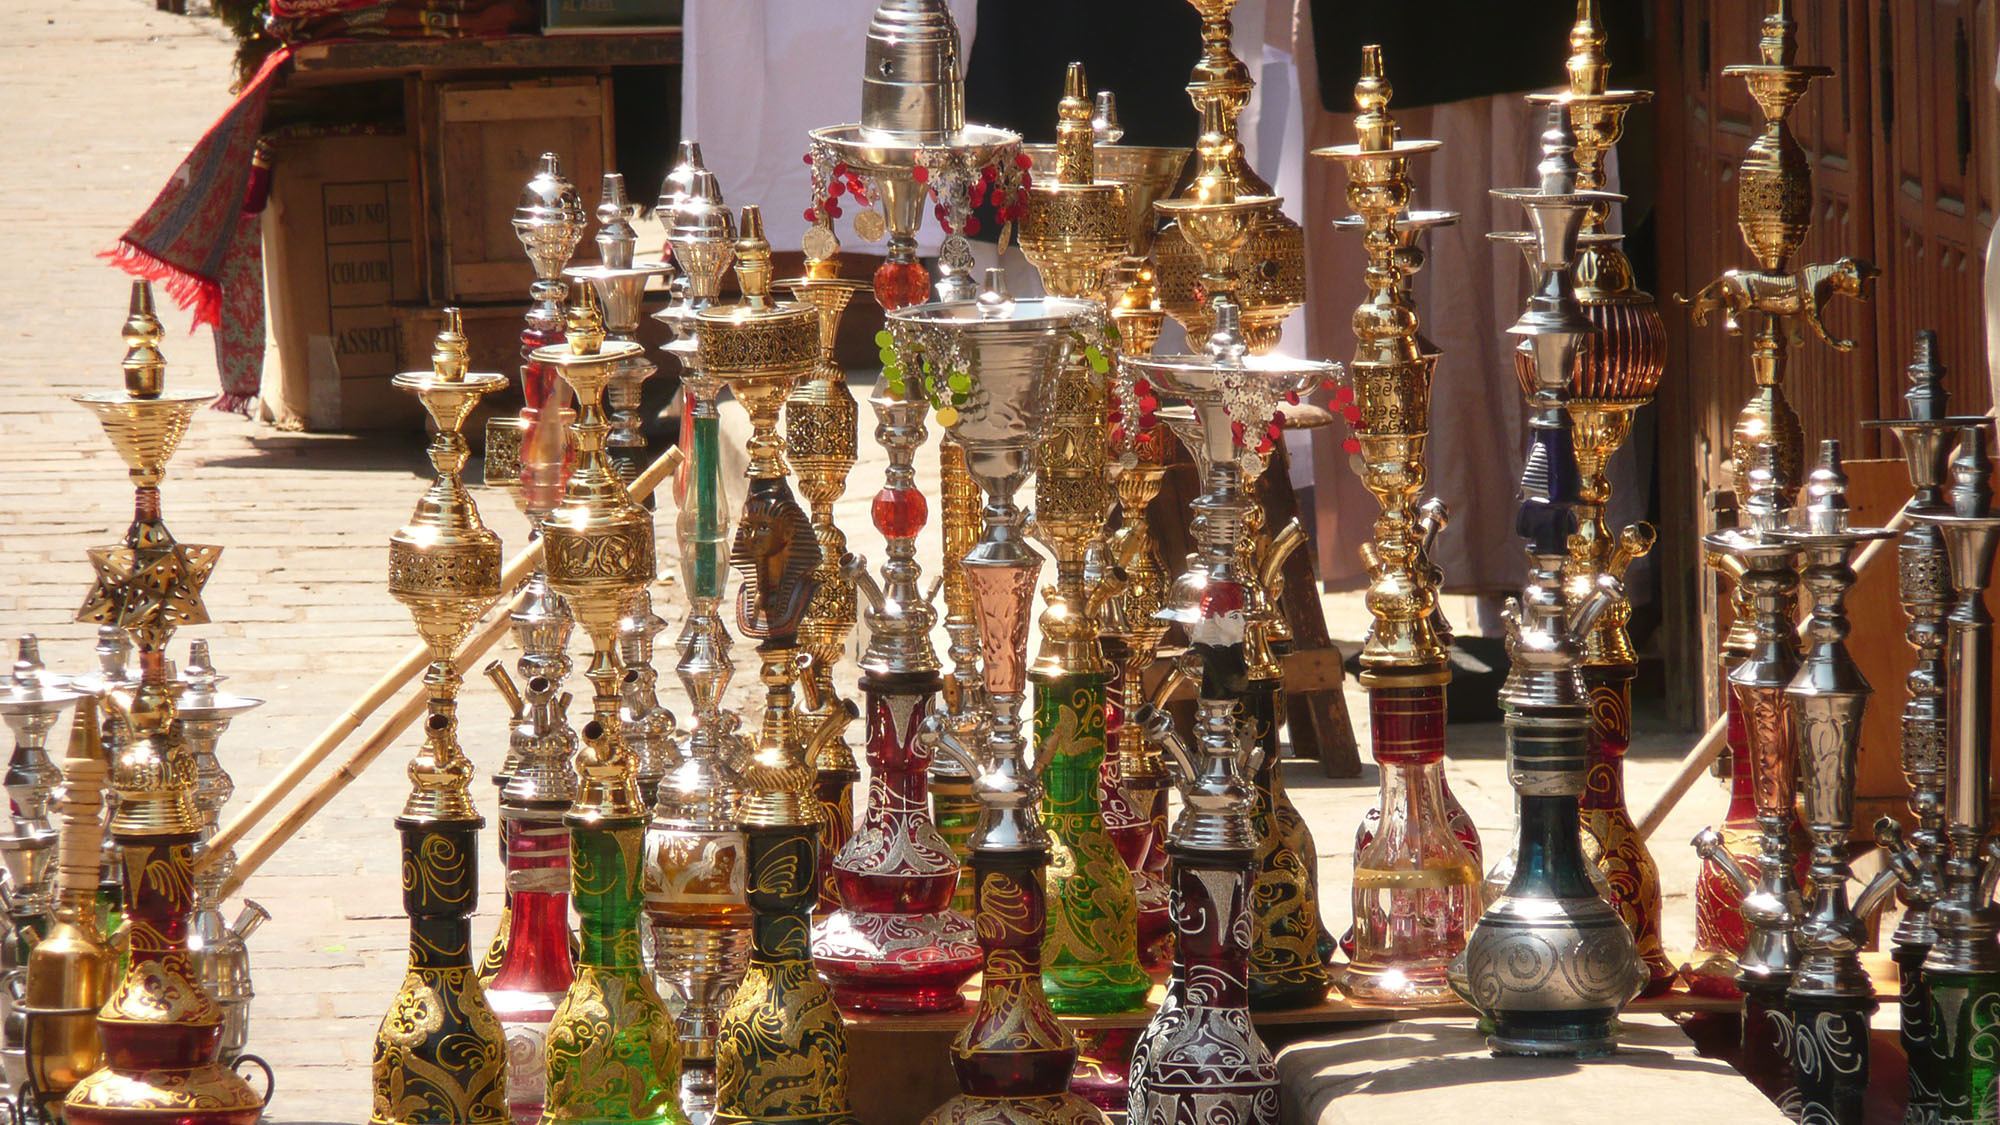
(1438, 1070)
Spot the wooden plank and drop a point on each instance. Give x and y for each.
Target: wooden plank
(522, 103)
(372, 60)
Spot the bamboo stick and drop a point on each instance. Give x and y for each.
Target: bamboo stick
(406, 670)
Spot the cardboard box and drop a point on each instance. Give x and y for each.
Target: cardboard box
(586, 17)
(339, 252)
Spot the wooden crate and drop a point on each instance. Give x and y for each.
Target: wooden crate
(480, 142)
(340, 251)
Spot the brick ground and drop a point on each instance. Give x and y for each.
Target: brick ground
(107, 96)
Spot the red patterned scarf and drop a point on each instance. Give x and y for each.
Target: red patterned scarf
(201, 240)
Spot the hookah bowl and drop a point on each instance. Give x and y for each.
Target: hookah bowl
(780, 1051)
(71, 970)
(697, 857)
(1014, 1058)
(610, 1051)
(219, 947)
(897, 944)
(1617, 371)
(1411, 859)
(159, 1058)
(1550, 963)
(1926, 436)
(1075, 231)
(821, 432)
(620, 280)
(1274, 282)
(1830, 997)
(1962, 971)
(439, 1053)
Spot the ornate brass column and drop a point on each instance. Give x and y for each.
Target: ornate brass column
(1413, 864)
(160, 1028)
(611, 1053)
(781, 1052)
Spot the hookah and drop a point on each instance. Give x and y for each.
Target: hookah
(1550, 964)
(1132, 787)
(1617, 371)
(1416, 878)
(71, 970)
(1830, 997)
(611, 1047)
(1075, 232)
(1767, 302)
(821, 432)
(697, 859)
(1926, 435)
(549, 223)
(781, 1051)
(1770, 901)
(992, 366)
(31, 700)
(439, 1053)
(159, 1060)
(620, 282)
(1961, 973)
(114, 652)
(913, 141)
(896, 943)
(1200, 1058)
(220, 948)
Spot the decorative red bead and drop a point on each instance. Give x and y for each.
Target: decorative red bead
(837, 187)
(922, 174)
(1351, 445)
(899, 513)
(972, 224)
(840, 169)
(812, 216)
(1022, 161)
(898, 284)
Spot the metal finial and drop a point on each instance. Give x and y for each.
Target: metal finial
(1104, 119)
(1779, 42)
(1374, 129)
(616, 240)
(1764, 510)
(1927, 397)
(1826, 492)
(753, 258)
(1558, 167)
(1076, 140)
(995, 301)
(145, 367)
(450, 357)
(1589, 69)
(584, 323)
(1971, 474)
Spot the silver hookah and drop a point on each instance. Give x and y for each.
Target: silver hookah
(700, 949)
(1550, 964)
(220, 948)
(114, 653)
(31, 700)
(620, 280)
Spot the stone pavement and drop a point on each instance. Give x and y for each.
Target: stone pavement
(107, 96)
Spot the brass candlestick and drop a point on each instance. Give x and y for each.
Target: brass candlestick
(611, 1044)
(160, 1058)
(781, 1051)
(439, 1056)
(822, 432)
(1274, 282)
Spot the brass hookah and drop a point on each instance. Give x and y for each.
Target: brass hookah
(160, 1058)
(72, 969)
(1420, 865)
(220, 948)
(611, 1045)
(697, 858)
(822, 433)
(1770, 300)
(549, 223)
(1927, 434)
(440, 1052)
(1133, 784)
(781, 1051)
(1617, 371)
(1075, 233)
(1274, 278)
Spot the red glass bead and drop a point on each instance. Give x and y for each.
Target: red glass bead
(837, 187)
(1022, 161)
(808, 158)
(812, 216)
(898, 284)
(840, 169)
(1351, 445)
(899, 513)
(922, 174)
(971, 224)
